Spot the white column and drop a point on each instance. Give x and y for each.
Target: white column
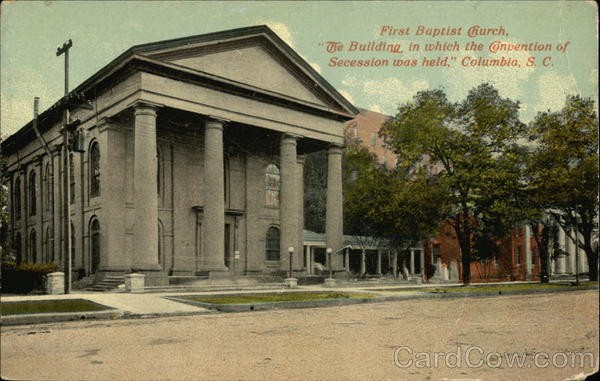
(395, 262)
(378, 262)
(363, 262)
(570, 248)
(347, 259)
(145, 230)
(560, 260)
(412, 262)
(312, 259)
(288, 203)
(528, 264)
(422, 259)
(307, 256)
(334, 208)
(213, 226)
(300, 200)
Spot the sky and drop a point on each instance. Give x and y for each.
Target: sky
(31, 31)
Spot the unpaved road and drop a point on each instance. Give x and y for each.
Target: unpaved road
(360, 342)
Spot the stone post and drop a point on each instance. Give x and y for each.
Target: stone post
(288, 203)
(412, 262)
(134, 282)
(334, 228)
(213, 227)
(395, 263)
(55, 283)
(144, 179)
(378, 262)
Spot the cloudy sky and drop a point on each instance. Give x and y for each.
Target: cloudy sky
(31, 31)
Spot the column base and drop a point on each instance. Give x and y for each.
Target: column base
(153, 277)
(220, 274)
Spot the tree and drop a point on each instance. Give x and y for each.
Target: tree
(468, 149)
(315, 191)
(387, 205)
(565, 169)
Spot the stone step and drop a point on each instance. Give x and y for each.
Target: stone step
(109, 283)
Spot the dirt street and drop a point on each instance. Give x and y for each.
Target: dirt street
(551, 334)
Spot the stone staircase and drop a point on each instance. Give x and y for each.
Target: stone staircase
(109, 283)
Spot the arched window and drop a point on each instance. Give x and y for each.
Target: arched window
(48, 180)
(95, 244)
(17, 248)
(49, 245)
(17, 198)
(94, 170)
(32, 193)
(272, 244)
(272, 185)
(33, 246)
(71, 178)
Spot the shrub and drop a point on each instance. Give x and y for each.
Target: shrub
(26, 277)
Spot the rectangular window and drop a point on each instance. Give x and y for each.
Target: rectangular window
(436, 253)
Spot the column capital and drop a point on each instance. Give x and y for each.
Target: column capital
(335, 149)
(142, 106)
(289, 138)
(211, 119)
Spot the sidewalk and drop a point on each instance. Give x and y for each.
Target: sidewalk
(155, 304)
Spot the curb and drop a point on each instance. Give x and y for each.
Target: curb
(59, 317)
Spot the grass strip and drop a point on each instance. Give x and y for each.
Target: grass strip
(275, 298)
(496, 288)
(49, 306)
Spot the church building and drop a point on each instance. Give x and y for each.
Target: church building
(192, 162)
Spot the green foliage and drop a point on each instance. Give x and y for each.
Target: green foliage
(563, 170)
(315, 191)
(390, 204)
(468, 153)
(26, 277)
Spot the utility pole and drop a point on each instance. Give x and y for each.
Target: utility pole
(576, 247)
(66, 170)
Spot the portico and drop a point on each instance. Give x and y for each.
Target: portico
(200, 143)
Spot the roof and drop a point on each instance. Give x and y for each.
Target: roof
(140, 58)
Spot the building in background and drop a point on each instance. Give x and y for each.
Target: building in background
(518, 256)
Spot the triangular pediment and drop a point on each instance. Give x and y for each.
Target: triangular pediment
(254, 66)
(256, 58)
